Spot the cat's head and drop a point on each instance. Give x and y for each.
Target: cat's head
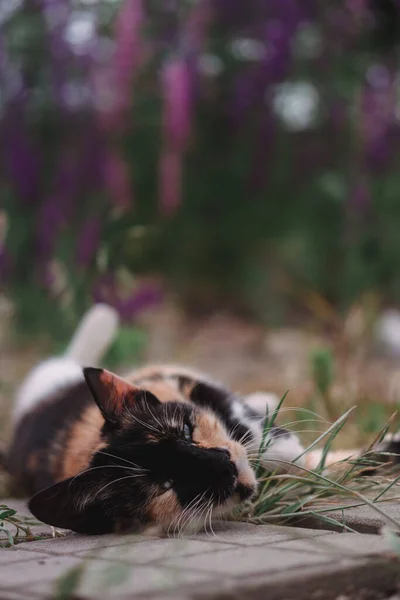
(169, 463)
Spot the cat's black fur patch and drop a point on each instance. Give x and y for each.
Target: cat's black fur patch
(36, 432)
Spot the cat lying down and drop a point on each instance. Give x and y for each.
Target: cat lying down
(161, 446)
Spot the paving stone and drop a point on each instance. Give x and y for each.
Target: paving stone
(16, 554)
(18, 595)
(79, 543)
(46, 569)
(363, 519)
(246, 534)
(355, 579)
(246, 560)
(343, 545)
(102, 580)
(154, 550)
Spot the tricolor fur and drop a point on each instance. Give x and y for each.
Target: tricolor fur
(163, 445)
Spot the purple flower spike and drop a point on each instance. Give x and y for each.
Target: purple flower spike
(146, 297)
(197, 26)
(88, 241)
(128, 53)
(22, 163)
(177, 105)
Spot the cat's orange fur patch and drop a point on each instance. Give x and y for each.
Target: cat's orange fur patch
(210, 433)
(163, 391)
(82, 443)
(165, 508)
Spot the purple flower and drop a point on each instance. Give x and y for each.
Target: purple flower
(177, 102)
(21, 160)
(113, 82)
(146, 297)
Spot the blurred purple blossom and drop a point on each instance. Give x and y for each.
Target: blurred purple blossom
(112, 82)
(144, 297)
(177, 102)
(21, 159)
(378, 105)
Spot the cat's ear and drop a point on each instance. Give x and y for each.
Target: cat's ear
(69, 504)
(113, 394)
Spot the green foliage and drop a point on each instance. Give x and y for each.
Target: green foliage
(127, 348)
(88, 574)
(322, 364)
(13, 528)
(68, 583)
(322, 361)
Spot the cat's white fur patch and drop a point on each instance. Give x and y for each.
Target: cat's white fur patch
(254, 425)
(260, 401)
(94, 335)
(281, 450)
(51, 375)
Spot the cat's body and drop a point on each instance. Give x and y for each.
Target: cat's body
(164, 445)
(103, 453)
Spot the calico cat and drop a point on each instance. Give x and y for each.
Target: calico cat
(163, 445)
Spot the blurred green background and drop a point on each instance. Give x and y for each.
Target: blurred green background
(225, 173)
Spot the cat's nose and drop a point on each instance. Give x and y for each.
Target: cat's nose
(224, 451)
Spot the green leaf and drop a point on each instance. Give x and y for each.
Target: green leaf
(7, 513)
(68, 583)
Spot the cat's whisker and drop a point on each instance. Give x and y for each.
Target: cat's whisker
(143, 423)
(115, 481)
(123, 459)
(179, 517)
(101, 467)
(191, 514)
(210, 517)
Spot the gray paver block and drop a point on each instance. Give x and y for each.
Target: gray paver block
(78, 543)
(154, 550)
(18, 575)
(363, 519)
(16, 554)
(135, 582)
(343, 545)
(246, 560)
(246, 534)
(289, 554)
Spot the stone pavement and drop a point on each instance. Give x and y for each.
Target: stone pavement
(239, 561)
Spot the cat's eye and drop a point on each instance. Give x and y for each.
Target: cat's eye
(187, 432)
(167, 485)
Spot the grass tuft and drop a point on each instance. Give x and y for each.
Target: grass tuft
(305, 493)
